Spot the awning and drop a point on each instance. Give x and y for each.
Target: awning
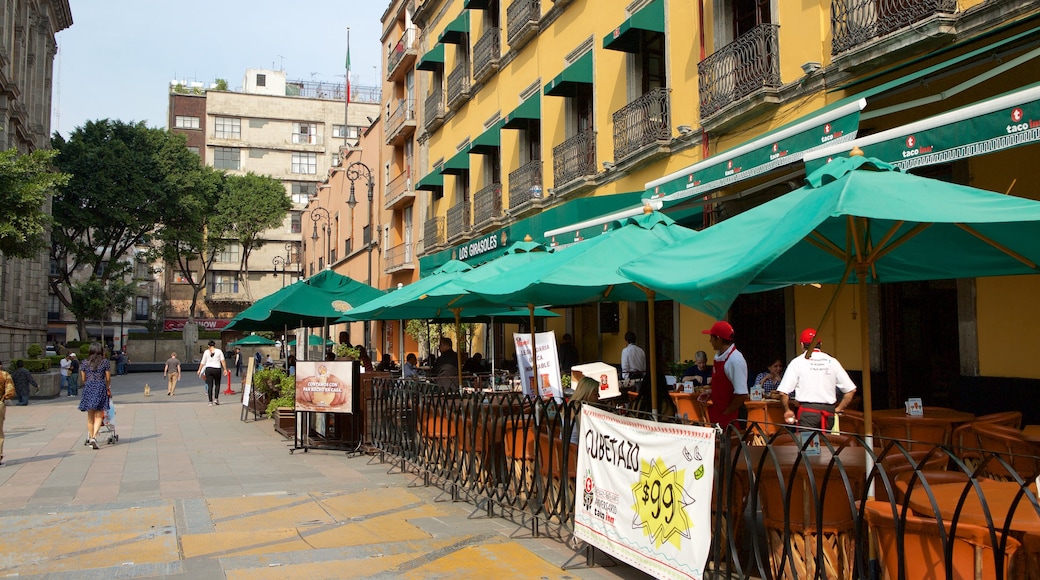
(565, 83)
(995, 124)
(458, 164)
(487, 142)
(433, 181)
(529, 110)
(432, 60)
(476, 4)
(455, 30)
(779, 147)
(627, 36)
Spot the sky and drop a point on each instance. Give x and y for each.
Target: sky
(117, 59)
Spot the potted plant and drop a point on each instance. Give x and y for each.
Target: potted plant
(40, 366)
(677, 368)
(283, 406)
(346, 352)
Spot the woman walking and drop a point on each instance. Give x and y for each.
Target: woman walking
(96, 377)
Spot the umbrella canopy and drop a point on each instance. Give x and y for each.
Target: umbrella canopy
(253, 340)
(387, 306)
(313, 340)
(316, 301)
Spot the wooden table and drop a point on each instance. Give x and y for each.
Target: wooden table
(952, 416)
(765, 419)
(1031, 433)
(999, 495)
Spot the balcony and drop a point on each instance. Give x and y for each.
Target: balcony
(399, 191)
(487, 206)
(433, 113)
(746, 65)
(486, 53)
(525, 185)
(458, 86)
(401, 124)
(402, 56)
(645, 121)
(398, 258)
(433, 233)
(522, 18)
(458, 221)
(574, 158)
(858, 22)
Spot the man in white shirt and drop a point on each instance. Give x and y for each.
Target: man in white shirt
(633, 359)
(213, 367)
(66, 372)
(814, 379)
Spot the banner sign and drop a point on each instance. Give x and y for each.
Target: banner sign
(644, 492)
(550, 383)
(324, 386)
(177, 324)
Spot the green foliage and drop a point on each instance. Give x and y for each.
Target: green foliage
(286, 397)
(34, 351)
(84, 350)
(221, 85)
(677, 368)
(353, 352)
(33, 365)
(98, 300)
(268, 381)
(252, 205)
(180, 88)
(25, 183)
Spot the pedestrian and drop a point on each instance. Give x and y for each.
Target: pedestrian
(728, 375)
(259, 361)
(291, 363)
(814, 378)
(74, 374)
(213, 367)
(22, 379)
(7, 392)
(568, 353)
(238, 361)
(172, 372)
(121, 360)
(633, 359)
(96, 375)
(269, 363)
(65, 371)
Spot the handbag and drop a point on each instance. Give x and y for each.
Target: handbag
(9, 392)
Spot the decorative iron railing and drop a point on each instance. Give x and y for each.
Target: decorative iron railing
(458, 220)
(525, 184)
(433, 110)
(486, 52)
(487, 204)
(856, 22)
(433, 232)
(404, 112)
(574, 158)
(399, 257)
(521, 17)
(749, 63)
(642, 122)
(399, 188)
(405, 45)
(458, 85)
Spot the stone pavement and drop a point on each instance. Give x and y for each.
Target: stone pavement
(189, 490)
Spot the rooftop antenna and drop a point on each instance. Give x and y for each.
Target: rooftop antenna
(281, 63)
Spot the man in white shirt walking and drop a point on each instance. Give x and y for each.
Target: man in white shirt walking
(633, 359)
(814, 379)
(213, 367)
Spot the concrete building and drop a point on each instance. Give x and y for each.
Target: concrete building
(27, 49)
(293, 131)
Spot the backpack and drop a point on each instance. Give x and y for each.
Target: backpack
(5, 379)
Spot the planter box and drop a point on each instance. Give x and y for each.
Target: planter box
(50, 385)
(285, 421)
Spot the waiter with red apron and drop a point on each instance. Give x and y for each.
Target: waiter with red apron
(728, 377)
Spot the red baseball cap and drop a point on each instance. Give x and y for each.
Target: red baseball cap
(808, 335)
(721, 329)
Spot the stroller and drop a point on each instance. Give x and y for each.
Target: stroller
(108, 424)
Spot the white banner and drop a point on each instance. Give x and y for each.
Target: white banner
(644, 492)
(550, 383)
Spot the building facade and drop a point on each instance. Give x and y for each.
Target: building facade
(27, 50)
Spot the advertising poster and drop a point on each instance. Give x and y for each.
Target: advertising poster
(324, 386)
(247, 382)
(549, 381)
(644, 492)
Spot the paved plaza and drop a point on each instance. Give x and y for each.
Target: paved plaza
(190, 490)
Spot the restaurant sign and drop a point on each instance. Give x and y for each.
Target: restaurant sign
(324, 386)
(177, 324)
(477, 247)
(644, 492)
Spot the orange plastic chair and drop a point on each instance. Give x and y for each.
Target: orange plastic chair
(687, 405)
(1006, 418)
(931, 476)
(1008, 444)
(895, 463)
(913, 433)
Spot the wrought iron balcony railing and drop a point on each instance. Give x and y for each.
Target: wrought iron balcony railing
(399, 257)
(642, 122)
(749, 63)
(486, 52)
(403, 117)
(405, 47)
(522, 18)
(434, 109)
(458, 85)
(458, 220)
(525, 184)
(574, 158)
(856, 22)
(399, 188)
(487, 205)
(433, 232)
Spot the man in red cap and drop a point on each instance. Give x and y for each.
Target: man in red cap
(728, 377)
(814, 379)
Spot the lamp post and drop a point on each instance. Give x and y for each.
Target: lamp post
(355, 171)
(318, 214)
(279, 261)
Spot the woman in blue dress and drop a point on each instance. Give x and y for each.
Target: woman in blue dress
(96, 378)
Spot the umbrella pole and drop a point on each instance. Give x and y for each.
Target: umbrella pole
(458, 347)
(864, 339)
(650, 295)
(534, 353)
(492, 352)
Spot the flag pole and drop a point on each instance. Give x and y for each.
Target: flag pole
(346, 107)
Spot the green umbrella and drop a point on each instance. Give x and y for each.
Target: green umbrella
(317, 301)
(253, 340)
(313, 340)
(857, 219)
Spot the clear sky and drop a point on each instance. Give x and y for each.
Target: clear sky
(117, 59)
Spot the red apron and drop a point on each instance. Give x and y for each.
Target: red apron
(721, 392)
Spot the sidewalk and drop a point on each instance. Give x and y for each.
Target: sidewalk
(191, 490)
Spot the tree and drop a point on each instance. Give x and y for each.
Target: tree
(253, 204)
(126, 180)
(25, 183)
(97, 300)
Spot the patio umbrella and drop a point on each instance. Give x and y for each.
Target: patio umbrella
(253, 340)
(314, 340)
(309, 303)
(586, 272)
(857, 219)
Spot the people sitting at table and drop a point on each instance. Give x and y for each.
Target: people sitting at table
(475, 364)
(386, 364)
(365, 360)
(410, 368)
(447, 364)
(770, 379)
(700, 373)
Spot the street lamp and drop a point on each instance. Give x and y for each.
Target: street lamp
(318, 214)
(279, 261)
(355, 171)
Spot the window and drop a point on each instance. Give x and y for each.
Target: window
(306, 133)
(295, 223)
(339, 131)
(261, 80)
(141, 308)
(55, 268)
(305, 163)
(194, 150)
(224, 284)
(53, 307)
(142, 271)
(226, 158)
(183, 122)
(229, 254)
(227, 128)
(180, 278)
(366, 235)
(301, 190)
(335, 159)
